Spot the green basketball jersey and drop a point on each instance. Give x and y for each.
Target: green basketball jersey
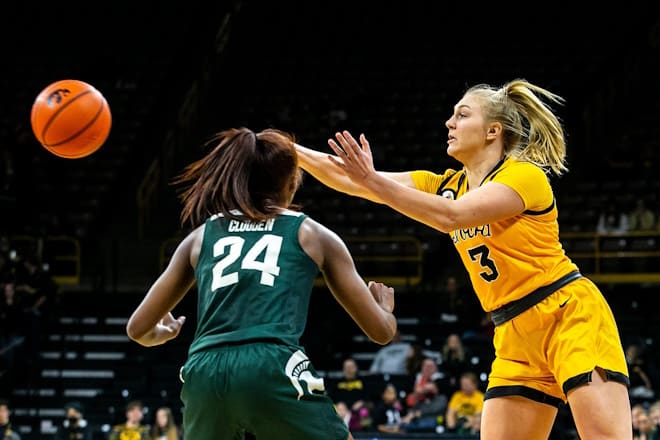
(254, 282)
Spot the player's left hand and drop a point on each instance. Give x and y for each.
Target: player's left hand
(356, 159)
(168, 328)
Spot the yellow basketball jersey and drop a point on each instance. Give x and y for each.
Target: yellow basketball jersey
(510, 258)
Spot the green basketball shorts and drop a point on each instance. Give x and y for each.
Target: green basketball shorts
(264, 388)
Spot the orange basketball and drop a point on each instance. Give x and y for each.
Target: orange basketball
(71, 119)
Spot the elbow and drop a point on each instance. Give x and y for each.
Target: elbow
(380, 340)
(385, 335)
(132, 332)
(447, 222)
(445, 228)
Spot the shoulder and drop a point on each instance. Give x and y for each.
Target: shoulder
(318, 241)
(191, 244)
(429, 181)
(529, 181)
(196, 234)
(316, 230)
(513, 166)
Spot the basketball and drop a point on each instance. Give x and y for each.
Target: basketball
(71, 118)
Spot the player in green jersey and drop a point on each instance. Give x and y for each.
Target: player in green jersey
(254, 258)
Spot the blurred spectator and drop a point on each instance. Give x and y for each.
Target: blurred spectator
(389, 414)
(458, 305)
(5, 245)
(611, 220)
(636, 411)
(645, 429)
(641, 386)
(74, 426)
(11, 335)
(37, 284)
(471, 426)
(484, 330)
(425, 402)
(416, 357)
(465, 403)
(392, 358)
(455, 360)
(654, 414)
(132, 428)
(351, 390)
(6, 433)
(344, 412)
(6, 267)
(641, 218)
(38, 291)
(164, 426)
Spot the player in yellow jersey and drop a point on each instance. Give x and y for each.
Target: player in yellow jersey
(556, 339)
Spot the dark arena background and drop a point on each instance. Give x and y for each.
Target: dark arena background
(91, 234)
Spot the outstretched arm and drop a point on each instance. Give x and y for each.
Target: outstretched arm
(326, 171)
(491, 202)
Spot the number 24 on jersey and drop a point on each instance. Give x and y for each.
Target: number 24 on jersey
(231, 249)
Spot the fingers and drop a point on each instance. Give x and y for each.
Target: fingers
(342, 140)
(349, 143)
(176, 324)
(175, 327)
(172, 325)
(380, 285)
(365, 144)
(336, 148)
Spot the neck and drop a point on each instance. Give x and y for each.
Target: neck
(477, 170)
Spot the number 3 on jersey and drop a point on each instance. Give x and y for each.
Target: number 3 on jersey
(272, 244)
(481, 253)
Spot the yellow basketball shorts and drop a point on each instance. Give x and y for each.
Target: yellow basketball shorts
(555, 345)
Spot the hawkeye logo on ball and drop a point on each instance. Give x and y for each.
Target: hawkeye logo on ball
(57, 96)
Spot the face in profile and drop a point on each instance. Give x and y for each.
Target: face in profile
(162, 418)
(467, 129)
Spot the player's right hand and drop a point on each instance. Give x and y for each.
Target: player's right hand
(383, 294)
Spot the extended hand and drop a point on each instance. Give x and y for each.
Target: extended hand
(356, 159)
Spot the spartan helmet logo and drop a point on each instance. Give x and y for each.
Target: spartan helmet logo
(448, 194)
(297, 369)
(57, 96)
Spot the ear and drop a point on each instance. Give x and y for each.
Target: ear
(493, 130)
